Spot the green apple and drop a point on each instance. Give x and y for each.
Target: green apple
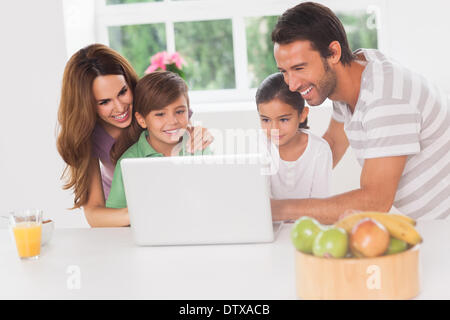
(396, 246)
(332, 242)
(304, 232)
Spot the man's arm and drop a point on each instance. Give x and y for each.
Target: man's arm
(337, 139)
(379, 182)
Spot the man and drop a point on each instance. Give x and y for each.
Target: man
(395, 121)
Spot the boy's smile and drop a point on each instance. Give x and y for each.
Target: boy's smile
(173, 133)
(166, 126)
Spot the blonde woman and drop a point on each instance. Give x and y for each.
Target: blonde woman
(95, 109)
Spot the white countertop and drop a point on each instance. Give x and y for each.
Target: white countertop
(105, 264)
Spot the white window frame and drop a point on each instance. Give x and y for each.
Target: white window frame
(170, 12)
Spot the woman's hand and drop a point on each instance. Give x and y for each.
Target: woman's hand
(200, 139)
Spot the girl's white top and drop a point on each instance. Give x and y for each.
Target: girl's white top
(307, 177)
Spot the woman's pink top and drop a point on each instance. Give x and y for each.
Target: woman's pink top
(102, 143)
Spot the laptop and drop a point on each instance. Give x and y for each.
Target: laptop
(196, 200)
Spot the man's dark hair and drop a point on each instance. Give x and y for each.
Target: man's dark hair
(315, 23)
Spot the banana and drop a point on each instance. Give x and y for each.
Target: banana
(397, 225)
(407, 219)
(373, 214)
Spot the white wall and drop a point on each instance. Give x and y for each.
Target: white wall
(418, 34)
(33, 56)
(79, 24)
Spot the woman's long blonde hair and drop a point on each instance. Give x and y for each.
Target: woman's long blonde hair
(77, 113)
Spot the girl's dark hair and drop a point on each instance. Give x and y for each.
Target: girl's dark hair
(315, 23)
(273, 87)
(154, 91)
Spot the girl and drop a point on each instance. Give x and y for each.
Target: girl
(304, 159)
(95, 109)
(159, 130)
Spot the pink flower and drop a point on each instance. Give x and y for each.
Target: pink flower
(151, 68)
(160, 60)
(163, 58)
(177, 59)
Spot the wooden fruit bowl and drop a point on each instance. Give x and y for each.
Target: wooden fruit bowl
(393, 276)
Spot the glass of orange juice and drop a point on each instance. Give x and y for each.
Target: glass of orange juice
(26, 226)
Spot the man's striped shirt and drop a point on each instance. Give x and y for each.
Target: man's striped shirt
(400, 113)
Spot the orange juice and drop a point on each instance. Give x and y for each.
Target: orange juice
(28, 239)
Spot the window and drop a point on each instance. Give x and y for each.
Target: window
(135, 42)
(208, 49)
(226, 44)
(259, 48)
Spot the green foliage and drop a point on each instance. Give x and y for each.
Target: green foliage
(207, 47)
(173, 68)
(138, 43)
(261, 62)
(358, 34)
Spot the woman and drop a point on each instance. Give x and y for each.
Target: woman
(96, 108)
